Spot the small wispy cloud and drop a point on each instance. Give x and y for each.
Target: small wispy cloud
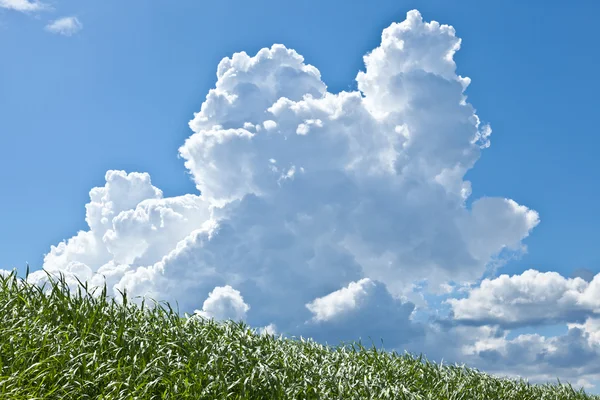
(22, 5)
(66, 26)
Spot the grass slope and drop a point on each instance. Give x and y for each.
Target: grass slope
(64, 345)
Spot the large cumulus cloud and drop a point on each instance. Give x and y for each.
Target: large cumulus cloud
(321, 213)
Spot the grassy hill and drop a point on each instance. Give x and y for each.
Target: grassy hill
(64, 345)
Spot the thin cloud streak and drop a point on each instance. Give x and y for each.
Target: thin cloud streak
(66, 26)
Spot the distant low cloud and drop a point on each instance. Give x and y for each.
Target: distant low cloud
(572, 357)
(531, 298)
(479, 325)
(66, 26)
(22, 5)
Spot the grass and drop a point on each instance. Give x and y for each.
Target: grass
(61, 344)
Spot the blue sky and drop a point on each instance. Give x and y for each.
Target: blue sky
(114, 87)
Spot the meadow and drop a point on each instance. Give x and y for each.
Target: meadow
(57, 343)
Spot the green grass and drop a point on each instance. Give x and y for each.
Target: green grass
(65, 345)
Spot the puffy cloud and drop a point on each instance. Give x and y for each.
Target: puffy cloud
(225, 303)
(360, 310)
(22, 5)
(131, 226)
(270, 329)
(590, 328)
(342, 301)
(304, 191)
(530, 298)
(66, 26)
(384, 167)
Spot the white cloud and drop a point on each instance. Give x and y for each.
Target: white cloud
(22, 5)
(527, 299)
(225, 303)
(270, 125)
(572, 357)
(66, 26)
(341, 301)
(481, 322)
(324, 209)
(270, 329)
(362, 309)
(5, 272)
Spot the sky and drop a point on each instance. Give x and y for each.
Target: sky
(423, 172)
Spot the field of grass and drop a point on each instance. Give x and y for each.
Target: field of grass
(65, 345)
